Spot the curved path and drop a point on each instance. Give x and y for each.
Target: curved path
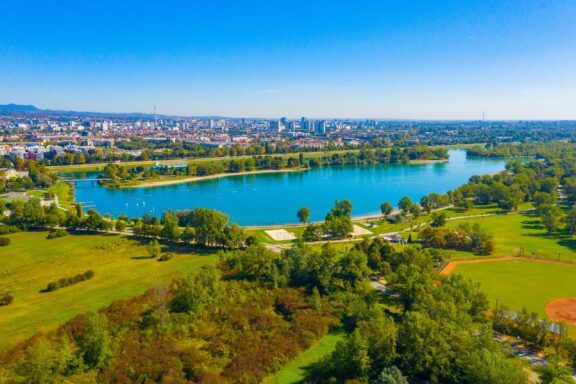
(453, 264)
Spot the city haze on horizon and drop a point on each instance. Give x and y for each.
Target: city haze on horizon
(378, 60)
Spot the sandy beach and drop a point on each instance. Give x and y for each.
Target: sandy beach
(428, 161)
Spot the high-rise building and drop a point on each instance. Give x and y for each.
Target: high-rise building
(277, 126)
(321, 126)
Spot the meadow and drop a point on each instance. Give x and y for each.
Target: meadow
(122, 269)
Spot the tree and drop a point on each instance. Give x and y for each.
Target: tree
(342, 209)
(187, 235)
(571, 222)
(405, 204)
(349, 360)
(95, 341)
(120, 226)
(43, 361)
(438, 219)
(208, 226)
(386, 208)
(556, 372)
(380, 332)
(195, 293)
(170, 229)
(551, 217)
(353, 269)
(303, 214)
(153, 248)
(415, 211)
(339, 226)
(485, 366)
(312, 233)
(391, 375)
(234, 236)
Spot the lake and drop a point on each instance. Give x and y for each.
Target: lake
(274, 198)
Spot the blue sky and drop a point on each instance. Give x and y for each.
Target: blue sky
(380, 59)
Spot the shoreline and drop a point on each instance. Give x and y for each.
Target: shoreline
(208, 177)
(416, 162)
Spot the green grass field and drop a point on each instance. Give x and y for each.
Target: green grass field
(295, 371)
(121, 266)
(514, 234)
(522, 283)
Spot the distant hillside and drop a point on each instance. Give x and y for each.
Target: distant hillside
(18, 108)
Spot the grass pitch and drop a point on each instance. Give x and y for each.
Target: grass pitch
(522, 283)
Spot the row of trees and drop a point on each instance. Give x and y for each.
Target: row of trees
(204, 227)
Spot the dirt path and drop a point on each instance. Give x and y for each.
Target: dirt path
(453, 264)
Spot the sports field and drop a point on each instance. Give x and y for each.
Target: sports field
(518, 234)
(121, 266)
(522, 283)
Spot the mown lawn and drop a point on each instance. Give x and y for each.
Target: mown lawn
(296, 370)
(519, 234)
(121, 266)
(522, 283)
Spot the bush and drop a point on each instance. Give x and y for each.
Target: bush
(89, 274)
(57, 233)
(166, 257)
(64, 282)
(6, 299)
(51, 287)
(4, 241)
(7, 229)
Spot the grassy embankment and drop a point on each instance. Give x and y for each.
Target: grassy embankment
(296, 370)
(122, 270)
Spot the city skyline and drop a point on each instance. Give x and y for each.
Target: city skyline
(378, 60)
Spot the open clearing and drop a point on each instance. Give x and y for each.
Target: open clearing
(522, 283)
(121, 266)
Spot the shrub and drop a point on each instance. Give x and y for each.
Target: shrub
(51, 287)
(7, 229)
(4, 241)
(6, 299)
(57, 233)
(64, 282)
(89, 274)
(166, 257)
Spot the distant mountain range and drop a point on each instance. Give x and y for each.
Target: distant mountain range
(20, 108)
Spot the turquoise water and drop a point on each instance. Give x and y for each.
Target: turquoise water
(274, 198)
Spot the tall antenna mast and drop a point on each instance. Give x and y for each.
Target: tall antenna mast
(155, 121)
